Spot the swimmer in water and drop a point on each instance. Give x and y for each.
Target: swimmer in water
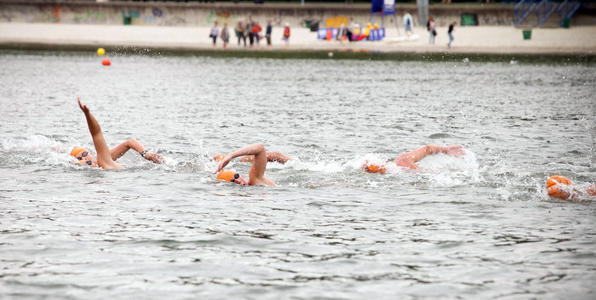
(560, 187)
(409, 159)
(272, 156)
(257, 171)
(106, 158)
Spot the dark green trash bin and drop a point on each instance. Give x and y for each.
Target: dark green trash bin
(468, 19)
(127, 20)
(527, 34)
(307, 24)
(566, 23)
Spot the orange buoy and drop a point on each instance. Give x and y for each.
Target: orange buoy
(106, 62)
(553, 187)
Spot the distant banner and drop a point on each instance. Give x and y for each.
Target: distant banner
(387, 7)
(377, 6)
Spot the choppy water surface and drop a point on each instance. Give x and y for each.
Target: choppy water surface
(479, 226)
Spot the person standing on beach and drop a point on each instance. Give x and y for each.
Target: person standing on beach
(106, 158)
(225, 35)
(408, 23)
(450, 34)
(257, 171)
(432, 32)
(286, 36)
(240, 33)
(268, 31)
(248, 31)
(214, 33)
(256, 31)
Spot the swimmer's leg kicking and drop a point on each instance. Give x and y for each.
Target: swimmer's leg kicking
(106, 158)
(257, 170)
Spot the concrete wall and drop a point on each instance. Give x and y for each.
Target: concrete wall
(203, 14)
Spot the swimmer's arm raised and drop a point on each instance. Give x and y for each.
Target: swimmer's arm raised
(259, 163)
(104, 158)
(119, 150)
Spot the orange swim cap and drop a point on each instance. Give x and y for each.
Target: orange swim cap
(554, 189)
(226, 175)
(76, 150)
(372, 168)
(592, 190)
(219, 157)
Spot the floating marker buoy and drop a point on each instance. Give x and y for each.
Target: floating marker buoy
(106, 62)
(101, 51)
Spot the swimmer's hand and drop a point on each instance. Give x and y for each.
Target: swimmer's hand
(154, 157)
(223, 163)
(83, 107)
(456, 151)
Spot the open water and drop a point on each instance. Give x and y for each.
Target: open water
(480, 226)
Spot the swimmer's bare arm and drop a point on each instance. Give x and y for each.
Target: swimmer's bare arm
(410, 159)
(104, 159)
(259, 165)
(272, 156)
(119, 150)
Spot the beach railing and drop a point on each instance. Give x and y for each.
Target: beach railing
(544, 10)
(522, 10)
(567, 9)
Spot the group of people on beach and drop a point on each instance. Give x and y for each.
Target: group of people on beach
(557, 186)
(250, 30)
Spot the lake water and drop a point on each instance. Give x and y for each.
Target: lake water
(480, 226)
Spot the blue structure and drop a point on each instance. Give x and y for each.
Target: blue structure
(544, 9)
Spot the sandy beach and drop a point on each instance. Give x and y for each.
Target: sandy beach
(471, 39)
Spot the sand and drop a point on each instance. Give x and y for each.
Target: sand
(485, 39)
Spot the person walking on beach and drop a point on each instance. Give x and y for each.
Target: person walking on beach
(106, 158)
(408, 23)
(225, 35)
(240, 33)
(409, 159)
(268, 31)
(286, 34)
(432, 33)
(256, 175)
(256, 31)
(248, 31)
(450, 34)
(214, 33)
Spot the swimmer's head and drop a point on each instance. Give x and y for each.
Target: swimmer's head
(231, 176)
(554, 188)
(373, 168)
(83, 156)
(219, 157)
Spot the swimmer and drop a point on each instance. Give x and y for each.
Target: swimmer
(272, 156)
(257, 171)
(106, 158)
(559, 186)
(409, 159)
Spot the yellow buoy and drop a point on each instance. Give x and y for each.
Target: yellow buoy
(101, 51)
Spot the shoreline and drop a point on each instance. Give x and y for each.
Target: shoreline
(489, 43)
